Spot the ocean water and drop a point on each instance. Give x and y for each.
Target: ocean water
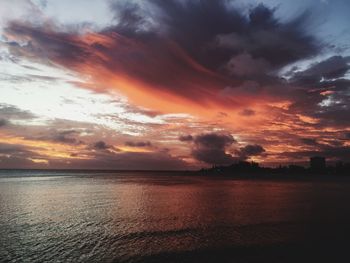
(161, 217)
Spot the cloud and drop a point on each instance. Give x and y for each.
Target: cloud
(138, 144)
(247, 112)
(18, 156)
(59, 136)
(260, 33)
(186, 138)
(244, 65)
(131, 161)
(170, 57)
(309, 141)
(347, 135)
(101, 145)
(250, 150)
(13, 148)
(3, 122)
(15, 10)
(326, 102)
(211, 148)
(330, 68)
(179, 52)
(332, 153)
(10, 112)
(213, 140)
(66, 137)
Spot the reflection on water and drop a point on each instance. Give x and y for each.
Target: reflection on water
(144, 217)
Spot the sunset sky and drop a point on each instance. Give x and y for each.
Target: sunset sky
(176, 84)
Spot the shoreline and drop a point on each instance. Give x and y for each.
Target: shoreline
(193, 174)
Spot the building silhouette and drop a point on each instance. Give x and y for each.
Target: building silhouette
(318, 166)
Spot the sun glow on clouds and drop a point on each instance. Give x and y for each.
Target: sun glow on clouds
(53, 93)
(46, 149)
(94, 81)
(50, 93)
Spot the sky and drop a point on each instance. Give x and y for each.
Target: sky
(173, 85)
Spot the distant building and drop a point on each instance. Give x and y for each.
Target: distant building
(317, 163)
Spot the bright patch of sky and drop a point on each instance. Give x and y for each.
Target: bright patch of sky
(68, 12)
(50, 93)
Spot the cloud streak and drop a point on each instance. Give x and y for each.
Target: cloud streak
(212, 82)
(183, 54)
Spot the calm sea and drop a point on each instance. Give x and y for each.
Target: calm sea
(161, 217)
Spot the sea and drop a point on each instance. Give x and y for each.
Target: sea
(95, 216)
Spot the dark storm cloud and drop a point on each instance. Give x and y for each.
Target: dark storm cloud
(138, 144)
(60, 46)
(3, 122)
(327, 102)
(214, 140)
(331, 68)
(260, 34)
(155, 60)
(332, 110)
(251, 150)
(210, 148)
(188, 47)
(130, 17)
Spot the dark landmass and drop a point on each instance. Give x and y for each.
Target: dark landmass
(253, 169)
(240, 170)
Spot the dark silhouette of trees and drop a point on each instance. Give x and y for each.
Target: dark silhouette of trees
(242, 168)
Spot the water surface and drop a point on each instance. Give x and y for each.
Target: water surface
(159, 217)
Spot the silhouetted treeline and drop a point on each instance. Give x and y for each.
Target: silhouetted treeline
(253, 168)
